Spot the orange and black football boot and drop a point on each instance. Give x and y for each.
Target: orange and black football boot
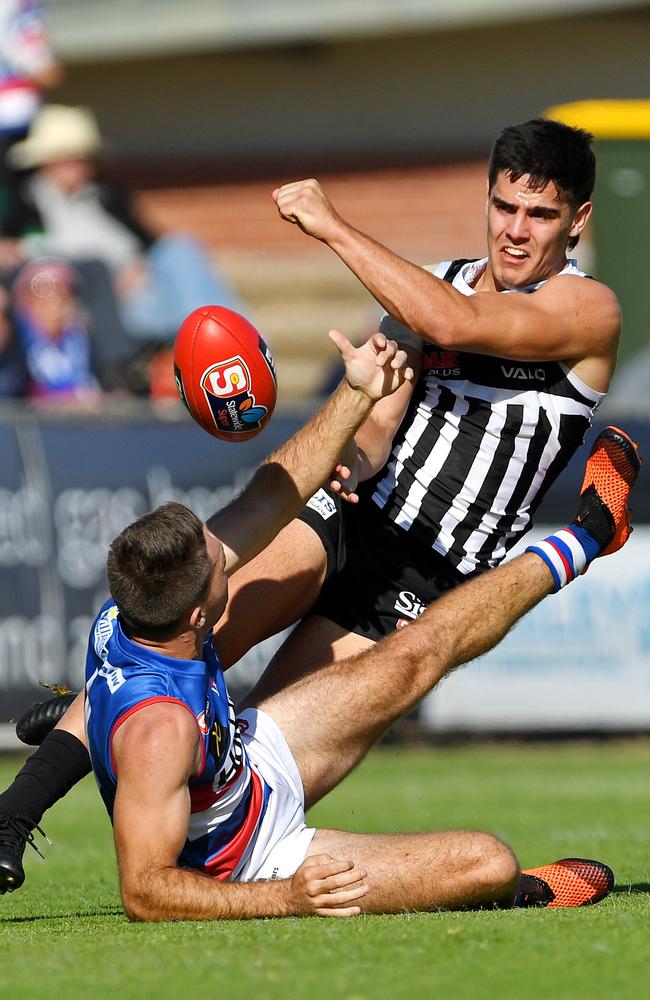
(570, 882)
(612, 468)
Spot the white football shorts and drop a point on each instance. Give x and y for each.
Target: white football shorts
(280, 843)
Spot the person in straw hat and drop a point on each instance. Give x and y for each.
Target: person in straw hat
(157, 279)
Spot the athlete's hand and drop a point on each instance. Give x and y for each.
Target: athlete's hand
(377, 368)
(325, 887)
(306, 205)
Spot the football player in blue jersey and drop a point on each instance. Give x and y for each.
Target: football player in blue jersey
(195, 790)
(480, 442)
(208, 806)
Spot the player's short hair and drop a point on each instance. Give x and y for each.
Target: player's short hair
(158, 569)
(547, 151)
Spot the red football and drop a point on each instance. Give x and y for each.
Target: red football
(224, 373)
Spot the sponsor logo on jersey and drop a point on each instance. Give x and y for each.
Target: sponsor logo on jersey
(323, 504)
(202, 721)
(443, 364)
(524, 373)
(408, 605)
(227, 389)
(218, 741)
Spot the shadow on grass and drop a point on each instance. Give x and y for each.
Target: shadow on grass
(630, 888)
(70, 914)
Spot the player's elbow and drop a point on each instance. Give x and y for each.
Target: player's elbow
(140, 900)
(137, 908)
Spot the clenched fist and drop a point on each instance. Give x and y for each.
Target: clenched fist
(306, 205)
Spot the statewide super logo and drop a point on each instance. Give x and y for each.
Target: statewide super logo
(227, 389)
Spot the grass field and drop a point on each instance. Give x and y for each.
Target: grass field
(64, 934)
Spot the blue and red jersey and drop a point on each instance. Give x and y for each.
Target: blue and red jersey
(228, 798)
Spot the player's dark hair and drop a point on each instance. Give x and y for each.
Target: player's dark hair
(158, 569)
(547, 151)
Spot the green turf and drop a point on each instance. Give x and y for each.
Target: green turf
(64, 934)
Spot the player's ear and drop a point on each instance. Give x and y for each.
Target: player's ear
(580, 219)
(197, 617)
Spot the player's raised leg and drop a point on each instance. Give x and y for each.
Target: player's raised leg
(315, 642)
(350, 703)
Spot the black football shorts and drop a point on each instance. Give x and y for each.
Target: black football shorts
(377, 580)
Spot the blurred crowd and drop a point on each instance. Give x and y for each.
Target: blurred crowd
(90, 295)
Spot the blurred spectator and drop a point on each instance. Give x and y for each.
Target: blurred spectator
(64, 210)
(27, 67)
(13, 365)
(52, 330)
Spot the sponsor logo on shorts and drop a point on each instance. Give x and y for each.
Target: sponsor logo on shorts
(227, 389)
(323, 504)
(409, 606)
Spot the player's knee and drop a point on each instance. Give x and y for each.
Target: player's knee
(496, 867)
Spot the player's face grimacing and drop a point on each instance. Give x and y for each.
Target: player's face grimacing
(215, 602)
(528, 231)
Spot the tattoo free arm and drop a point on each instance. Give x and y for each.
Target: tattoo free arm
(568, 319)
(156, 751)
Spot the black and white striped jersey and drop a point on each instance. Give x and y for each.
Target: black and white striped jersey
(482, 441)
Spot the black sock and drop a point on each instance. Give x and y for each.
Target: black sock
(59, 763)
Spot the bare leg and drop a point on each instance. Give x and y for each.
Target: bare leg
(314, 643)
(272, 591)
(426, 871)
(331, 716)
(73, 720)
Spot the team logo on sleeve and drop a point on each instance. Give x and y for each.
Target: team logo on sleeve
(228, 391)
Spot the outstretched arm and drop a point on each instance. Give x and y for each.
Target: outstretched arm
(156, 751)
(372, 443)
(567, 319)
(288, 477)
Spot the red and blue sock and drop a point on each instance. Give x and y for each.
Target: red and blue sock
(567, 553)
